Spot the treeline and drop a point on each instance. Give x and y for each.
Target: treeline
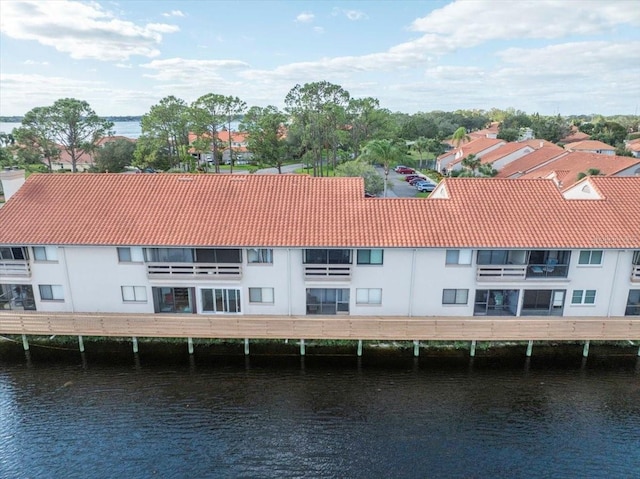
(321, 125)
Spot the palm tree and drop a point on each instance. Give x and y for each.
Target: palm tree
(460, 136)
(382, 152)
(421, 145)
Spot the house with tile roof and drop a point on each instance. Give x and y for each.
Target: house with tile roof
(571, 167)
(634, 147)
(531, 161)
(591, 146)
(478, 147)
(294, 246)
(499, 157)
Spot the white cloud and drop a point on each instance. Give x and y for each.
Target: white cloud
(173, 13)
(318, 29)
(33, 62)
(353, 15)
(186, 71)
(305, 17)
(83, 30)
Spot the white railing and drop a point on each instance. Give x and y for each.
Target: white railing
(499, 272)
(327, 271)
(635, 273)
(194, 271)
(15, 268)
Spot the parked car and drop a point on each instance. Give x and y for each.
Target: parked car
(417, 180)
(412, 177)
(425, 186)
(404, 170)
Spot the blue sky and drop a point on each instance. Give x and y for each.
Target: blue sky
(567, 57)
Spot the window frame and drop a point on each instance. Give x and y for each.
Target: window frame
(584, 297)
(364, 257)
(589, 258)
(463, 257)
(54, 292)
(263, 255)
(50, 254)
(456, 301)
(261, 290)
(136, 291)
(369, 301)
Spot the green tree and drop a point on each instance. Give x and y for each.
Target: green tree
(35, 138)
(151, 152)
(383, 152)
(208, 115)
(509, 134)
(589, 172)
(168, 123)
(234, 108)
(550, 128)
(112, 157)
(366, 121)
(460, 136)
(421, 145)
(373, 183)
(75, 127)
(265, 128)
(318, 113)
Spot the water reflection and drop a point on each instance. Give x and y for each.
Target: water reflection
(184, 415)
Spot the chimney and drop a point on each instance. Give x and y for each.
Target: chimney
(11, 181)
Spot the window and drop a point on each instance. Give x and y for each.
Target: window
(636, 258)
(51, 292)
(261, 295)
(498, 256)
(455, 296)
(17, 297)
(633, 303)
(189, 255)
(327, 301)
(173, 300)
(17, 254)
(458, 256)
(45, 253)
(369, 296)
(129, 255)
(260, 255)
(137, 294)
(327, 256)
(583, 296)
(590, 257)
(370, 256)
(221, 300)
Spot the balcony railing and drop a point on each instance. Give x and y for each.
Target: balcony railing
(327, 272)
(206, 271)
(541, 271)
(501, 272)
(13, 268)
(635, 273)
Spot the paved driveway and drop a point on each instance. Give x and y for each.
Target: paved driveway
(397, 185)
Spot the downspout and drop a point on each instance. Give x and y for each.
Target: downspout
(289, 281)
(613, 284)
(411, 284)
(67, 278)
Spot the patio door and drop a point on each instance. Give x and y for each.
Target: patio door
(543, 302)
(327, 301)
(174, 300)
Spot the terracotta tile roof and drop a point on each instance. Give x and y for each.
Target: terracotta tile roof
(576, 162)
(538, 143)
(575, 135)
(588, 145)
(301, 211)
(238, 137)
(531, 161)
(503, 151)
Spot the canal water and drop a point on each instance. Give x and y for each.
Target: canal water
(115, 414)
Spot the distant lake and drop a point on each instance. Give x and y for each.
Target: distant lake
(130, 129)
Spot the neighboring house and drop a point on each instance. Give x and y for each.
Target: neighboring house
(591, 146)
(491, 131)
(531, 161)
(634, 147)
(575, 136)
(294, 247)
(499, 157)
(479, 147)
(569, 168)
(239, 143)
(86, 161)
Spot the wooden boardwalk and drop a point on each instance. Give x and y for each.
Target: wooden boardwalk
(321, 327)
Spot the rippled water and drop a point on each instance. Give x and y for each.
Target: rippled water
(343, 417)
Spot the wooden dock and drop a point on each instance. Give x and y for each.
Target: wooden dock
(484, 328)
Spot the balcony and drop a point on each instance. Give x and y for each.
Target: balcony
(635, 274)
(547, 271)
(191, 271)
(15, 269)
(330, 272)
(499, 272)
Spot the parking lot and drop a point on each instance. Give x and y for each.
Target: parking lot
(397, 184)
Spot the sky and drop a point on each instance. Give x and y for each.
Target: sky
(563, 57)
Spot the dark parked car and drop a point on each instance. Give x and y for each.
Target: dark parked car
(404, 170)
(417, 180)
